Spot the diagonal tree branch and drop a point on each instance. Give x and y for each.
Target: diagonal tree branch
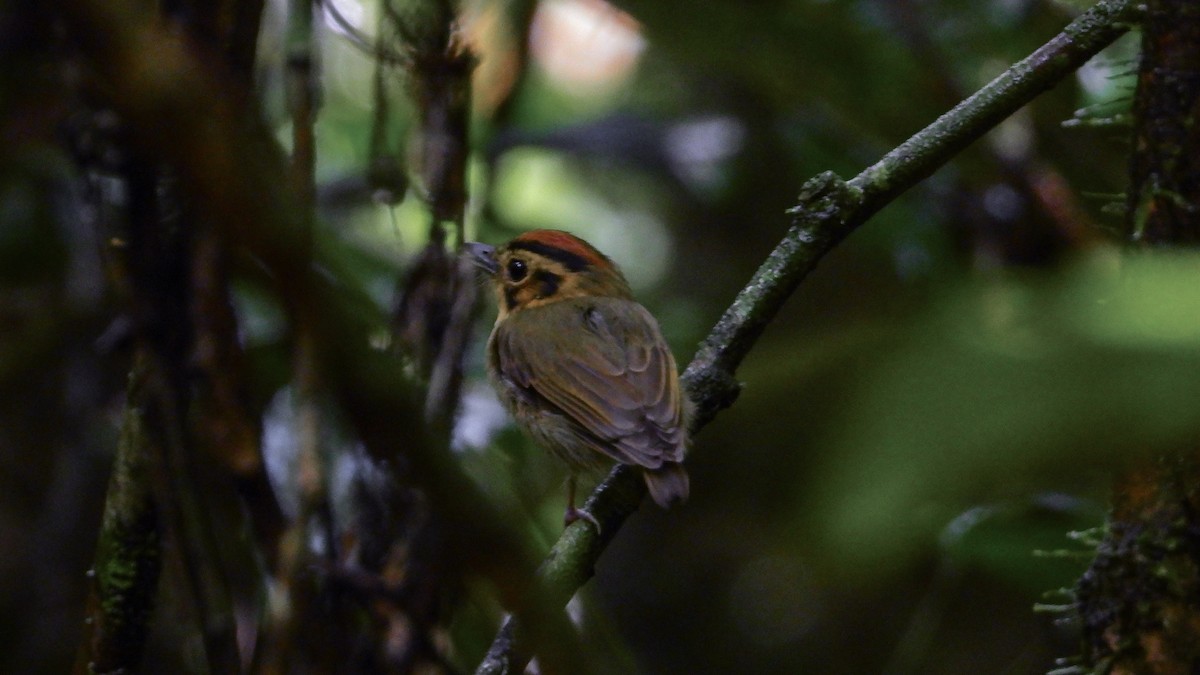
(829, 209)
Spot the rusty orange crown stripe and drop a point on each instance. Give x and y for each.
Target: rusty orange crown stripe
(564, 241)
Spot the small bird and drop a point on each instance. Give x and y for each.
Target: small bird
(581, 365)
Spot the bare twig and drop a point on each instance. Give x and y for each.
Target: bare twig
(362, 41)
(440, 82)
(829, 209)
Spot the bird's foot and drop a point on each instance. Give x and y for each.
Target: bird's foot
(573, 514)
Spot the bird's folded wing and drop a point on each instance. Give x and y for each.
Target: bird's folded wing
(606, 366)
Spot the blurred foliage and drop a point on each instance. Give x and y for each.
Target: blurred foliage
(948, 393)
(1009, 381)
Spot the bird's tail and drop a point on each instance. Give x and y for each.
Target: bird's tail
(668, 484)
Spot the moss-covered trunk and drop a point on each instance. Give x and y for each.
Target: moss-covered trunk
(1140, 599)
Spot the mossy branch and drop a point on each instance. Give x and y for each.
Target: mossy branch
(129, 551)
(829, 209)
(1137, 603)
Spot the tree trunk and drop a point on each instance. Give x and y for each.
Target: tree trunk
(1140, 598)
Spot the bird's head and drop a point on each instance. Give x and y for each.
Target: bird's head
(544, 266)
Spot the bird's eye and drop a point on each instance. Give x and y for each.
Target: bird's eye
(517, 269)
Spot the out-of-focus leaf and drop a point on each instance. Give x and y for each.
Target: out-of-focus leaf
(1013, 382)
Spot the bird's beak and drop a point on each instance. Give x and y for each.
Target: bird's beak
(483, 256)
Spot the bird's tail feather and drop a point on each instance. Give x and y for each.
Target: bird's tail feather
(668, 484)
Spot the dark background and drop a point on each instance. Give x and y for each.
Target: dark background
(931, 415)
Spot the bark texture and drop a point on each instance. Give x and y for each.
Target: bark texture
(1139, 601)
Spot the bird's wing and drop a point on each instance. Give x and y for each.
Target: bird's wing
(602, 362)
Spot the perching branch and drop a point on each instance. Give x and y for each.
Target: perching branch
(829, 209)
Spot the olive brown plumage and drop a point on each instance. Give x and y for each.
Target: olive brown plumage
(581, 365)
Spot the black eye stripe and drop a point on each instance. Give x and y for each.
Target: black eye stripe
(571, 261)
(547, 282)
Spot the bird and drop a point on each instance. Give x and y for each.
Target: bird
(581, 365)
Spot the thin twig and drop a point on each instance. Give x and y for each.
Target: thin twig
(829, 209)
(440, 84)
(362, 41)
(445, 381)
